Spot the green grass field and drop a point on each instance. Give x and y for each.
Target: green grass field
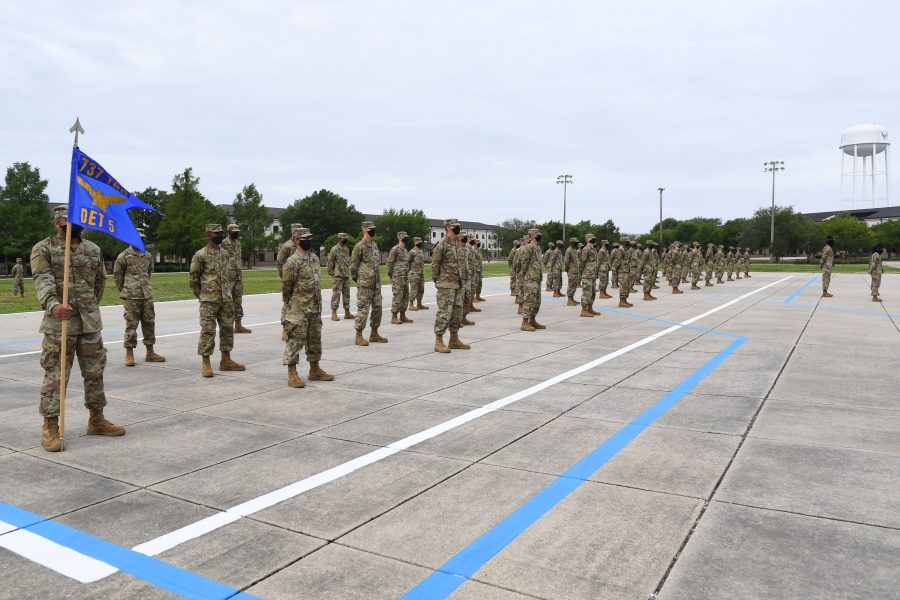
(174, 286)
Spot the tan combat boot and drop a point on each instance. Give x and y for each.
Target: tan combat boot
(526, 326)
(875, 298)
(586, 313)
(226, 364)
(709, 284)
(403, 318)
(152, 356)
(334, 315)
(536, 325)
(747, 275)
(480, 299)
(571, 302)
(50, 435)
(719, 280)
(439, 345)
(624, 303)
(650, 296)
(825, 294)
(98, 425)
(456, 343)
(348, 315)
(675, 290)
(129, 357)
(421, 306)
(374, 337)
(238, 328)
(647, 296)
(395, 320)
(412, 306)
(205, 367)
(294, 379)
(694, 286)
(604, 295)
(316, 373)
(360, 340)
(738, 276)
(729, 277)
(473, 309)
(466, 321)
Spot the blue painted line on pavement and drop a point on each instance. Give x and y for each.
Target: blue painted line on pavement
(149, 569)
(803, 287)
(456, 571)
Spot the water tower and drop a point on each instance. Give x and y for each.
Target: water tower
(865, 183)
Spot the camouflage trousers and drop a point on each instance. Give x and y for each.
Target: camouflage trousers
(876, 283)
(603, 279)
(554, 279)
(479, 279)
(624, 280)
(139, 312)
(649, 276)
(826, 278)
(237, 299)
(709, 273)
(467, 296)
(572, 284)
(368, 299)
(588, 292)
(340, 286)
(91, 360)
(720, 271)
(730, 269)
(747, 268)
(531, 299)
(212, 313)
(520, 289)
(304, 331)
(400, 290)
(695, 276)
(449, 310)
(416, 287)
(615, 276)
(19, 287)
(512, 282)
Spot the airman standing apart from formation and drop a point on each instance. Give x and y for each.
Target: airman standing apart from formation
(875, 270)
(624, 272)
(18, 276)
(416, 275)
(232, 246)
(530, 267)
(479, 272)
(465, 270)
(509, 261)
(603, 269)
(677, 266)
(720, 264)
(649, 269)
(398, 269)
(696, 266)
(447, 264)
(284, 252)
(710, 260)
(338, 265)
(212, 289)
(473, 274)
(615, 263)
(570, 264)
(588, 260)
(301, 292)
(84, 339)
(746, 262)
(826, 264)
(729, 262)
(556, 269)
(131, 274)
(364, 262)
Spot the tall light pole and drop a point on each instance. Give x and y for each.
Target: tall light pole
(661, 190)
(565, 180)
(773, 166)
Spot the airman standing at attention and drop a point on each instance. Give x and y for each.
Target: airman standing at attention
(624, 271)
(720, 264)
(479, 271)
(398, 269)
(556, 268)
(364, 262)
(301, 292)
(875, 270)
(638, 275)
(615, 263)
(729, 262)
(530, 267)
(710, 260)
(649, 263)
(546, 264)
(84, 337)
(509, 261)
(339, 268)
(603, 269)
(826, 264)
(588, 261)
(131, 273)
(570, 264)
(465, 270)
(233, 274)
(212, 289)
(746, 262)
(446, 267)
(18, 276)
(696, 266)
(634, 267)
(738, 259)
(677, 267)
(686, 264)
(416, 275)
(473, 273)
(284, 252)
(517, 269)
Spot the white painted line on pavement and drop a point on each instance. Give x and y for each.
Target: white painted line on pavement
(64, 561)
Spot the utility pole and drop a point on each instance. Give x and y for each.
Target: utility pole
(661, 190)
(773, 166)
(565, 180)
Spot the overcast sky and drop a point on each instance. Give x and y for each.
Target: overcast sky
(463, 109)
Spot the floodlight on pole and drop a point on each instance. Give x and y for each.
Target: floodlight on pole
(565, 180)
(773, 166)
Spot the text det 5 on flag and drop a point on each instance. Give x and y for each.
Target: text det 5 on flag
(98, 202)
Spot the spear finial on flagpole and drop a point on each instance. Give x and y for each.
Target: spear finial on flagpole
(76, 129)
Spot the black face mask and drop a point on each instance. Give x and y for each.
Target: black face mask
(234, 234)
(456, 230)
(405, 242)
(76, 230)
(342, 242)
(306, 244)
(217, 238)
(418, 244)
(538, 237)
(371, 232)
(829, 243)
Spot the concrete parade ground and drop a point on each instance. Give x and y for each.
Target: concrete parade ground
(741, 441)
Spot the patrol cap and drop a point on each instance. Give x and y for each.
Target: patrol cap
(589, 237)
(342, 236)
(61, 211)
(710, 245)
(140, 231)
(367, 225)
(295, 226)
(747, 249)
(450, 222)
(604, 242)
(304, 233)
(695, 243)
(615, 244)
(573, 240)
(417, 239)
(401, 235)
(18, 260)
(533, 231)
(559, 241)
(213, 228)
(517, 242)
(233, 227)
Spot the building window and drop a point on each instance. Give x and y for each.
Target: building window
(434, 234)
(274, 228)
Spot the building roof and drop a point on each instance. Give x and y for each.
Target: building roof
(862, 214)
(439, 223)
(229, 208)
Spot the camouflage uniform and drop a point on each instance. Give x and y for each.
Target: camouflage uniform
(18, 275)
(87, 279)
(588, 261)
(710, 258)
(696, 265)
(556, 267)
(746, 262)
(603, 268)
(677, 266)
(398, 269)
(131, 273)
(570, 264)
(826, 264)
(416, 275)
(720, 263)
(514, 273)
(284, 252)
(211, 287)
(509, 261)
(233, 274)
(729, 262)
(479, 271)
(364, 262)
(875, 270)
(301, 292)
(447, 267)
(634, 267)
(649, 269)
(470, 279)
(339, 268)
(530, 268)
(615, 264)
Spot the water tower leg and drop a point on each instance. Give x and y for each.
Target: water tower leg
(887, 188)
(874, 194)
(853, 202)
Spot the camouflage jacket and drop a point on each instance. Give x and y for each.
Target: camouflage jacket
(649, 268)
(602, 260)
(510, 257)
(570, 262)
(233, 269)
(555, 262)
(416, 262)
(470, 263)
(827, 261)
(18, 272)
(710, 258)
(746, 257)
(364, 262)
(339, 261)
(87, 279)
(634, 260)
(398, 262)
(875, 267)
(588, 261)
(284, 253)
(301, 290)
(479, 263)
(696, 260)
(208, 280)
(447, 263)
(530, 264)
(616, 257)
(517, 253)
(729, 259)
(132, 274)
(720, 259)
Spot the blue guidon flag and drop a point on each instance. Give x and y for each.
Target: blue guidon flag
(98, 202)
